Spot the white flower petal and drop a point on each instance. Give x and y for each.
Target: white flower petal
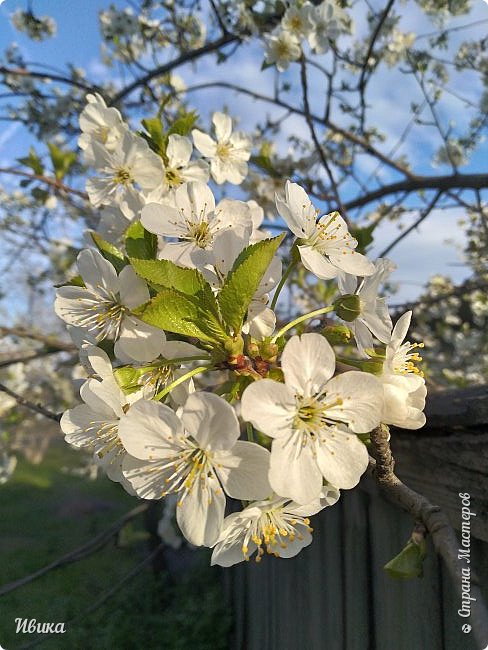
(211, 421)
(201, 512)
(133, 289)
(244, 471)
(356, 398)
(223, 126)
(294, 472)
(308, 362)
(270, 407)
(97, 272)
(342, 458)
(149, 431)
(139, 341)
(317, 263)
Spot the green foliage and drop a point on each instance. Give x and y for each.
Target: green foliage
(148, 611)
(165, 274)
(189, 315)
(128, 377)
(140, 243)
(409, 562)
(62, 160)
(33, 161)
(109, 252)
(157, 137)
(243, 280)
(264, 162)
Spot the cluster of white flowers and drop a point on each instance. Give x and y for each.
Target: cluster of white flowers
(318, 25)
(37, 28)
(178, 336)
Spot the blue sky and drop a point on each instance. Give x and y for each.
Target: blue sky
(77, 41)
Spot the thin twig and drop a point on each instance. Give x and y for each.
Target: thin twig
(22, 401)
(90, 547)
(96, 604)
(52, 182)
(424, 214)
(318, 146)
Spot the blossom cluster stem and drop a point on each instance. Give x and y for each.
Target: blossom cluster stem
(301, 319)
(180, 380)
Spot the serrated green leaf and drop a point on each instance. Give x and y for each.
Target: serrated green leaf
(61, 160)
(140, 243)
(33, 161)
(109, 252)
(243, 280)
(184, 124)
(166, 274)
(183, 314)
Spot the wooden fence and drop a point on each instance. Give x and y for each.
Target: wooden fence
(335, 594)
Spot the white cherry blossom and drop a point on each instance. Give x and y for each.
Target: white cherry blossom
(277, 526)
(326, 246)
(93, 426)
(313, 418)
(193, 220)
(374, 318)
(99, 123)
(325, 22)
(296, 20)
(228, 154)
(130, 164)
(281, 47)
(179, 169)
(403, 382)
(103, 307)
(197, 456)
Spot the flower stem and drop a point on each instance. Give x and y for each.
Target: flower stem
(172, 362)
(180, 380)
(250, 432)
(300, 319)
(281, 283)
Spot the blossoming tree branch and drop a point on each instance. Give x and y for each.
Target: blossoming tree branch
(199, 386)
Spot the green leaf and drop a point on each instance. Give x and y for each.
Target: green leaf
(33, 161)
(183, 314)
(109, 252)
(62, 160)
(184, 124)
(127, 377)
(140, 243)
(408, 563)
(243, 280)
(156, 139)
(166, 274)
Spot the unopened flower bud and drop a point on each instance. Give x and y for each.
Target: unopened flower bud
(348, 307)
(337, 334)
(234, 346)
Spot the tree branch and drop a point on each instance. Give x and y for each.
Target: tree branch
(416, 183)
(47, 76)
(50, 342)
(318, 146)
(424, 214)
(175, 63)
(435, 521)
(347, 135)
(22, 401)
(52, 182)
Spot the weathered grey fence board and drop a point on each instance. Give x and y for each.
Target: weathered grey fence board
(336, 596)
